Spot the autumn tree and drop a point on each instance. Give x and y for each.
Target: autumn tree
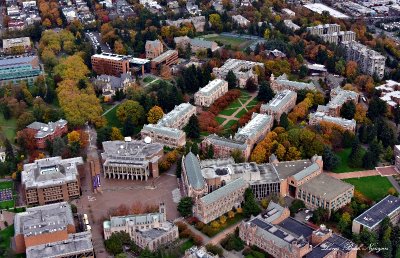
(132, 109)
(215, 20)
(351, 70)
(26, 139)
(116, 134)
(155, 114)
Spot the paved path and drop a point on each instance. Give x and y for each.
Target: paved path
(232, 117)
(356, 174)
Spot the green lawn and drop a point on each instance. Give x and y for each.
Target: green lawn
(373, 187)
(233, 42)
(229, 124)
(252, 103)
(112, 119)
(186, 245)
(228, 112)
(220, 120)
(241, 113)
(344, 162)
(6, 184)
(6, 235)
(148, 79)
(8, 127)
(229, 222)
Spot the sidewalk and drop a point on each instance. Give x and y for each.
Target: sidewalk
(356, 174)
(232, 117)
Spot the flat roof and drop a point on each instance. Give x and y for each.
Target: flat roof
(279, 100)
(374, 215)
(165, 55)
(257, 123)
(325, 186)
(76, 244)
(319, 8)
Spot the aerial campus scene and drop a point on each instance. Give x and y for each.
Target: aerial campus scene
(199, 128)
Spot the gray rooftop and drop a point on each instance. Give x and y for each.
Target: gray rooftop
(211, 87)
(306, 171)
(286, 169)
(280, 99)
(50, 171)
(283, 79)
(193, 171)
(223, 191)
(43, 219)
(340, 96)
(75, 244)
(320, 116)
(257, 123)
(164, 55)
(222, 141)
(374, 215)
(335, 242)
(44, 130)
(154, 233)
(273, 212)
(138, 219)
(16, 61)
(130, 152)
(115, 82)
(170, 132)
(176, 114)
(325, 186)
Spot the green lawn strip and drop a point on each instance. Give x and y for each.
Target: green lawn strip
(234, 104)
(148, 79)
(9, 127)
(241, 113)
(234, 42)
(229, 222)
(373, 187)
(204, 133)
(220, 120)
(344, 162)
(112, 119)
(229, 124)
(189, 243)
(253, 102)
(228, 112)
(6, 184)
(6, 235)
(7, 204)
(106, 106)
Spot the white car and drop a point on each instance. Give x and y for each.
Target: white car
(307, 217)
(307, 211)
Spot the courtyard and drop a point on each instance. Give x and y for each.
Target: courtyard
(117, 192)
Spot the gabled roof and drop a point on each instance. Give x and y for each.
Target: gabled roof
(193, 171)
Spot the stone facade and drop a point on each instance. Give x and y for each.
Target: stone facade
(282, 83)
(318, 117)
(179, 117)
(223, 147)
(153, 48)
(209, 93)
(170, 137)
(283, 102)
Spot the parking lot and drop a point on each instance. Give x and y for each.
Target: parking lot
(95, 40)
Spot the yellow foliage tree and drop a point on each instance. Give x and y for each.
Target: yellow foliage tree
(72, 68)
(116, 134)
(155, 114)
(231, 214)
(215, 224)
(73, 136)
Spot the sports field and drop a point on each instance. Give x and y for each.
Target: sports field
(235, 43)
(7, 192)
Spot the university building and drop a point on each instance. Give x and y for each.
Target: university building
(318, 117)
(338, 98)
(17, 69)
(223, 147)
(208, 94)
(282, 83)
(150, 230)
(18, 45)
(47, 132)
(255, 130)
(153, 48)
(168, 131)
(51, 180)
(131, 160)
(49, 231)
(110, 64)
(168, 58)
(331, 33)
(388, 207)
(283, 102)
(280, 235)
(369, 61)
(243, 70)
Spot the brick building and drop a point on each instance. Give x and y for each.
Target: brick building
(255, 130)
(153, 48)
(209, 93)
(131, 160)
(110, 64)
(47, 132)
(168, 58)
(283, 102)
(280, 235)
(49, 231)
(223, 147)
(151, 230)
(51, 180)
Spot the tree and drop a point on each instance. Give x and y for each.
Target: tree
(231, 79)
(103, 134)
(25, 119)
(331, 161)
(155, 114)
(369, 160)
(396, 115)
(129, 127)
(116, 134)
(26, 139)
(251, 86)
(9, 151)
(58, 146)
(356, 154)
(344, 222)
(216, 250)
(237, 156)
(116, 241)
(185, 206)
(377, 107)
(351, 69)
(265, 93)
(132, 109)
(348, 110)
(296, 206)
(303, 71)
(215, 20)
(146, 253)
(250, 206)
(192, 129)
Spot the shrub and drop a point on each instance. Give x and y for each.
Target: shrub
(222, 219)
(197, 240)
(181, 226)
(186, 233)
(199, 225)
(215, 224)
(214, 249)
(232, 242)
(231, 214)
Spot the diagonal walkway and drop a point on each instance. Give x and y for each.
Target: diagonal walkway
(356, 174)
(244, 105)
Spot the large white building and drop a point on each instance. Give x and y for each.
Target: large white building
(331, 33)
(178, 117)
(255, 130)
(318, 117)
(369, 61)
(151, 230)
(209, 93)
(242, 69)
(283, 83)
(283, 102)
(132, 160)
